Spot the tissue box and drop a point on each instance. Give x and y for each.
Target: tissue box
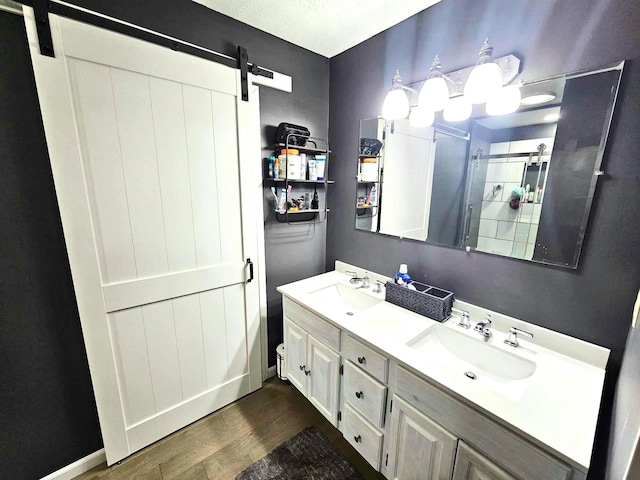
(426, 300)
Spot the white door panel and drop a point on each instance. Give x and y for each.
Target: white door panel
(159, 218)
(134, 375)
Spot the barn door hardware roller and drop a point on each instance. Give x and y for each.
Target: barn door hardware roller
(42, 8)
(41, 12)
(245, 67)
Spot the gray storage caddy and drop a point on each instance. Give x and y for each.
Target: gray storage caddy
(426, 300)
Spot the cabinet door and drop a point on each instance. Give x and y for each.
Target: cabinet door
(296, 356)
(324, 379)
(472, 465)
(420, 449)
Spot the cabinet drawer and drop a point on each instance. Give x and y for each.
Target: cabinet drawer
(312, 323)
(366, 439)
(365, 394)
(498, 443)
(366, 358)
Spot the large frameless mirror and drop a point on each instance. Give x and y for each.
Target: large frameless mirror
(518, 185)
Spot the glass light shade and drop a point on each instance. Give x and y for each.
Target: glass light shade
(434, 94)
(421, 117)
(396, 105)
(506, 101)
(484, 81)
(457, 109)
(538, 98)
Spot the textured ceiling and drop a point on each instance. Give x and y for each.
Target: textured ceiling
(327, 27)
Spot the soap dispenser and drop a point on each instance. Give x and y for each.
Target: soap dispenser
(402, 277)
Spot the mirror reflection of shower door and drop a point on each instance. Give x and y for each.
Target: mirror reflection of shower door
(472, 206)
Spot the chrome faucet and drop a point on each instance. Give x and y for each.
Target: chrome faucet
(356, 279)
(379, 285)
(512, 338)
(484, 327)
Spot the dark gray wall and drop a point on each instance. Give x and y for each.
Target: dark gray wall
(625, 420)
(47, 411)
(555, 36)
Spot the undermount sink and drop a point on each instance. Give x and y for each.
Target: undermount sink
(472, 356)
(344, 298)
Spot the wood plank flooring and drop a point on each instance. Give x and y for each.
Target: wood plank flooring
(226, 442)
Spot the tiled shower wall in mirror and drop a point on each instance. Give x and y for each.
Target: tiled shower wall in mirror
(505, 230)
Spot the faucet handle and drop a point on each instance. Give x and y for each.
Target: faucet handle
(512, 337)
(379, 285)
(465, 322)
(488, 319)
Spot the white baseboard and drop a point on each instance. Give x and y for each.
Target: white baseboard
(76, 468)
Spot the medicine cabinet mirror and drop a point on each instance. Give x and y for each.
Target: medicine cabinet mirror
(518, 185)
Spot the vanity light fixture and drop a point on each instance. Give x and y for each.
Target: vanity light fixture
(458, 109)
(434, 93)
(506, 101)
(421, 117)
(485, 79)
(538, 98)
(396, 103)
(488, 81)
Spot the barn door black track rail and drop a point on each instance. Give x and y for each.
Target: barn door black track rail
(42, 9)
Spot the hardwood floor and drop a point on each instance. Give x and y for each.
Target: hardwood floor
(224, 443)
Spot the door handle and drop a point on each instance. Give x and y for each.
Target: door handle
(357, 438)
(359, 395)
(250, 263)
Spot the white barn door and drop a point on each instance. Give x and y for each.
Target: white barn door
(156, 167)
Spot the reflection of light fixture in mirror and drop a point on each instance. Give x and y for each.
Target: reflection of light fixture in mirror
(396, 103)
(485, 79)
(506, 101)
(420, 117)
(434, 93)
(552, 117)
(538, 98)
(457, 109)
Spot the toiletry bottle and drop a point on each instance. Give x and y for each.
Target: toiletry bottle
(315, 203)
(402, 277)
(272, 166)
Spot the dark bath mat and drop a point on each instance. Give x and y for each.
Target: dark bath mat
(308, 455)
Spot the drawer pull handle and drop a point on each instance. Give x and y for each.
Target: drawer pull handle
(361, 360)
(307, 372)
(301, 367)
(359, 394)
(358, 439)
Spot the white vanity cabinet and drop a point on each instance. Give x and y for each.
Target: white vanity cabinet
(312, 366)
(419, 448)
(364, 398)
(405, 425)
(509, 451)
(472, 465)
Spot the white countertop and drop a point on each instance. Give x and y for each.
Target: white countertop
(556, 407)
